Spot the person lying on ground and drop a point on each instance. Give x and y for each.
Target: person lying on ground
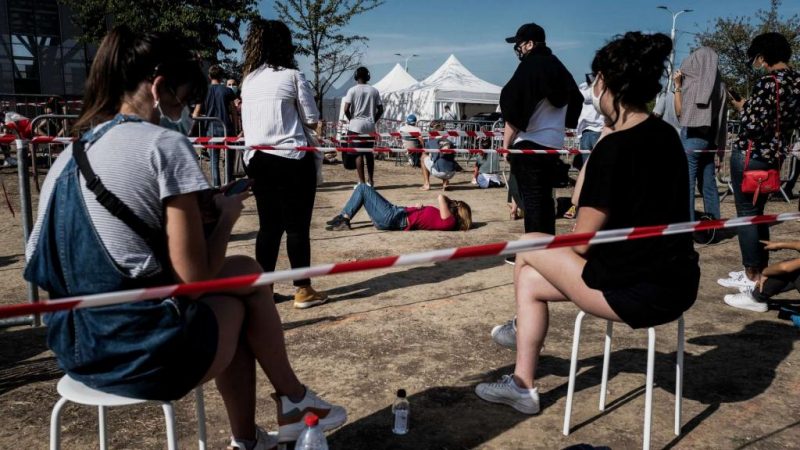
(440, 165)
(450, 215)
(643, 283)
(775, 279)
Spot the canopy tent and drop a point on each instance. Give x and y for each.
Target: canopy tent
(451, 84)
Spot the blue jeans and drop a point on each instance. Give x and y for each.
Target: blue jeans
(215, 175)
(384, 214)
(701, 173)
(753, 253)
(589, 139)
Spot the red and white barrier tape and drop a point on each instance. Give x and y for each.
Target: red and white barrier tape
(501, 151)
(494, 249)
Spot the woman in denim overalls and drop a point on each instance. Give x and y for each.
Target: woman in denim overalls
(157, 349)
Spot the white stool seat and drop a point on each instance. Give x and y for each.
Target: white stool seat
(74, 391)
(77, 392)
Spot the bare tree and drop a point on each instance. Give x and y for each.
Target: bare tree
(318, 29)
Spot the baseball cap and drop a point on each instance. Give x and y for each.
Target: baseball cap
(411, 118)
(528, 32)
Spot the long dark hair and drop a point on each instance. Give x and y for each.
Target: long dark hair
(632, 66)
(269, 42)
(126, 59)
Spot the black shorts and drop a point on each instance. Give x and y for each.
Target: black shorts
(349, 159)
(647, 304)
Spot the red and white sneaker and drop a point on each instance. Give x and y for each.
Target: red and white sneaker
(291, 415)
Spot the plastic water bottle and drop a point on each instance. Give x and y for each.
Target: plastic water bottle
(312, 438)
(400, 409)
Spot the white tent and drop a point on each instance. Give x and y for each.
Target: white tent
(451, 84)
(396, 80)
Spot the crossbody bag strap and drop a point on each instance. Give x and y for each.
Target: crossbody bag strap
(112, 203)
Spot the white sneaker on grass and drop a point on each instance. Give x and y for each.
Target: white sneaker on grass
(507, 392)
(737, 280)
(745, 300)
(290, 415)
(505, 335)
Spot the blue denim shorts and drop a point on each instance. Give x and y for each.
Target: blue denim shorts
(153, 350)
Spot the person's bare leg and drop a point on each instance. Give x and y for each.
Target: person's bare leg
(445, 184)
(426, 176)
(360, 168)
(370, 169)
(542, 277)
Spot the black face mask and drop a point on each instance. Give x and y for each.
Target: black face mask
(518, 50)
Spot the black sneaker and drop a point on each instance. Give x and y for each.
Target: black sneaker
(335, 220)
(342, 225)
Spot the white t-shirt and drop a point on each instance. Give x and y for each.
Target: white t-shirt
(364, 101)
(142, 164)
(270, 114)
(589, 119)
(546, 126)
(408, 141)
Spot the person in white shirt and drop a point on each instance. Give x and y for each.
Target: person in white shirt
(410, 142)
(277, 106)
(590, 123)
(363, 108)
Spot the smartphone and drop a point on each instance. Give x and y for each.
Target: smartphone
(238, 187)
(734, 95)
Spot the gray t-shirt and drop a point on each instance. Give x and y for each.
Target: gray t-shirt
(364, 101)
(142, 164)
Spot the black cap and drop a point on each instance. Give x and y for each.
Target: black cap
(528, 32)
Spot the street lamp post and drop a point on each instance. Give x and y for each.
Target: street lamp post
(407, 58)
(675, 15)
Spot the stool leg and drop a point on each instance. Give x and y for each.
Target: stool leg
(201, 417)
(606, 361)
(55, 424)
(573, 368)
(169, 416)
(679, 377)
(648, 399)
(101, 420)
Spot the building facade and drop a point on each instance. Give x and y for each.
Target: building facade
(39, 51)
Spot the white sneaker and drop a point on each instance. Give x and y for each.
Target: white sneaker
(506, 334)
(746, 301)
(735, 273)
(739, 279)
(264, 441)
(506, 391)
(290, 415)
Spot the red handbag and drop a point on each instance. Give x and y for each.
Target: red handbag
(758, 182)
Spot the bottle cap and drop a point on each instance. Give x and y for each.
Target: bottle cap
(312, 420)
(401, 393)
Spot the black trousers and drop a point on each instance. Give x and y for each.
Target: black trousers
(284, 190)
(777, 285)
(534, 175)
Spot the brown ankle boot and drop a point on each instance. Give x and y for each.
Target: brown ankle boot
(306, 297)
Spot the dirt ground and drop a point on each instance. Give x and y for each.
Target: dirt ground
(426, 329)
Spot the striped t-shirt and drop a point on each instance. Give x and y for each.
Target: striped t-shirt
(142, 164)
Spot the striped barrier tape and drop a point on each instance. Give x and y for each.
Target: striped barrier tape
(493, 249)
(501, 151)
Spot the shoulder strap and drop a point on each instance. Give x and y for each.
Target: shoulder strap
(113, 204)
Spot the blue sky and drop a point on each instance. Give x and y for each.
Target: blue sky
(474, 30)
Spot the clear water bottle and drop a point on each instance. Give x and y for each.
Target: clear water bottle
(312, 438)
(400, 409)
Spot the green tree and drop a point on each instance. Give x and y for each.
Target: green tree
(731, 36)
(318, 26)
(204, 23)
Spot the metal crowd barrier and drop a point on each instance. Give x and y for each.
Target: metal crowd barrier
(203, 122)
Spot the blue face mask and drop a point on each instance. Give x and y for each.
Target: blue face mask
(235, 89)
(182, 125)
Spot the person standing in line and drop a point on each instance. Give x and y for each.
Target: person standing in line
(664, 109)
(768, 119)
(539, 100)
(236, 110)
(218, 103)
(411, 142)
(590, 123)
(277, 106)
(700, 105)
(363, 108)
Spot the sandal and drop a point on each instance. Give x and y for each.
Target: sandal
(570, 214)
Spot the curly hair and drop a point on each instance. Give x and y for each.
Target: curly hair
(774, 47)
(632, 66)
(268, 43)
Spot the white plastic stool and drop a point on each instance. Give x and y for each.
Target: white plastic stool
(77, 392)
(648, 401)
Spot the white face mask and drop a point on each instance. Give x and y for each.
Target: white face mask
(182, 124)
(596, 98)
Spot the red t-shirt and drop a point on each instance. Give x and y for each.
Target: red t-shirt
(428, 218)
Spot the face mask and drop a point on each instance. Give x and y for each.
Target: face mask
(760, 70)
(235, 89)
(182, 124)
(518, 50)
(596, 98)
